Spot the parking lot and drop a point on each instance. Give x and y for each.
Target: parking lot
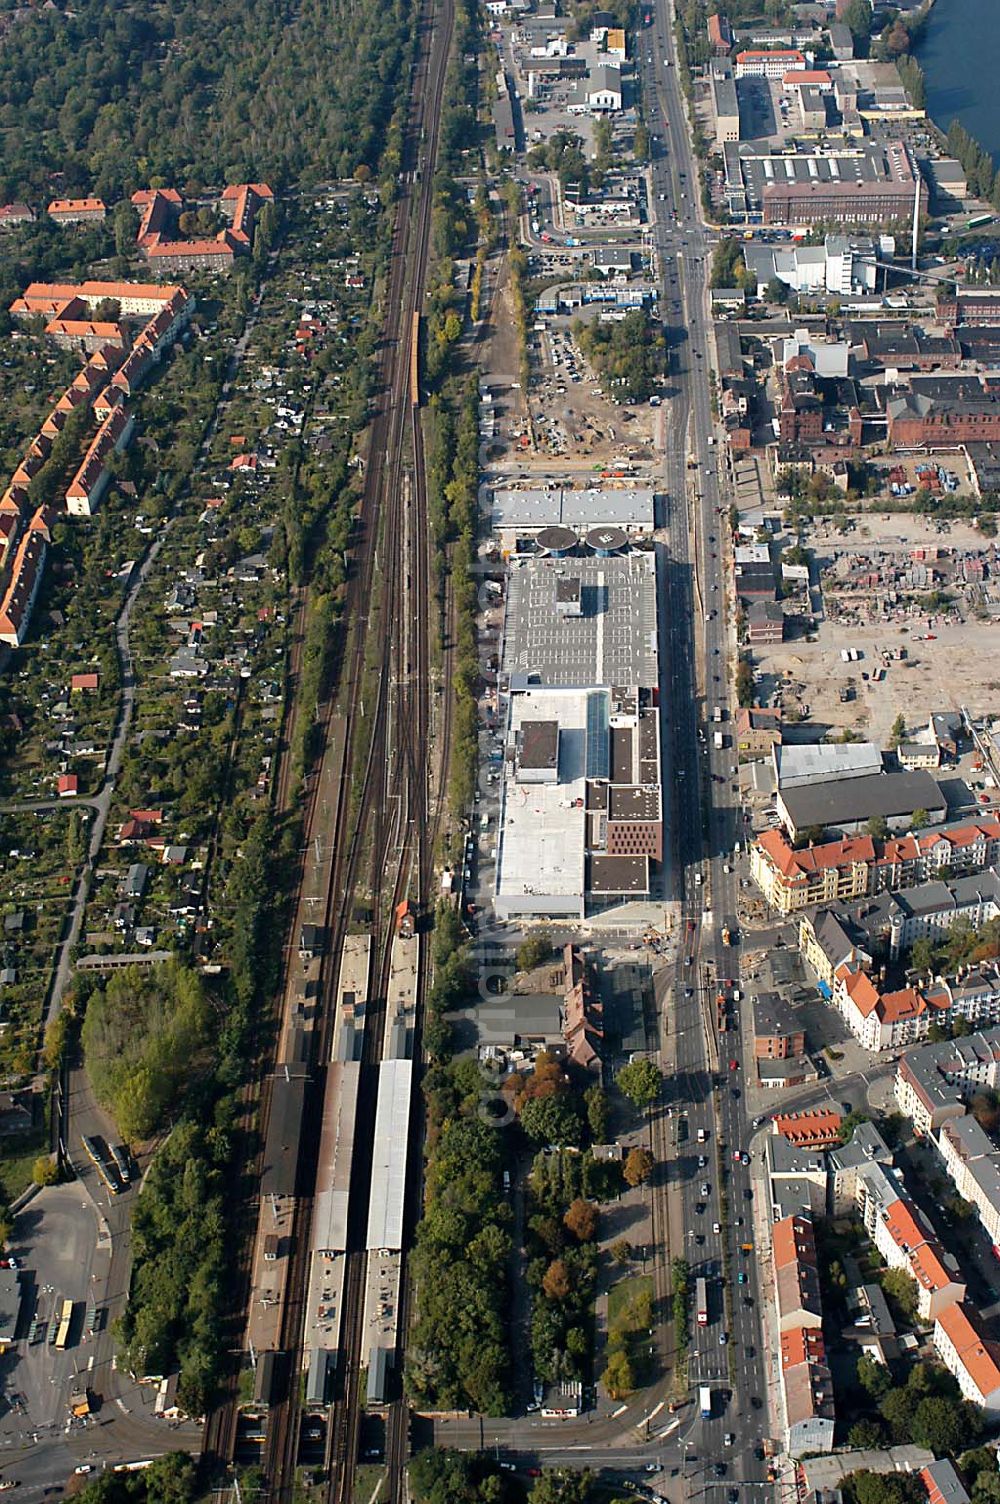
(570, 412)
(56, 1242)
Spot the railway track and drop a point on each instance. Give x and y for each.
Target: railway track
(387, 817)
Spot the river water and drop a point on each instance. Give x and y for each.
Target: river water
(960, 55)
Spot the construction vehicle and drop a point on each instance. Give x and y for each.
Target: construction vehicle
(79, 1403)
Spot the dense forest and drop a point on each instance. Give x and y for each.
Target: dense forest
(112, 97)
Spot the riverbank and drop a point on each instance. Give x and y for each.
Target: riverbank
(959, 52)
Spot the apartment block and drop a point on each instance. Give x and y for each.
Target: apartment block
(906, 1241)
(932, 1083)
(805, 1383)
(859, 867)
(969, 1355)
(973, 1162)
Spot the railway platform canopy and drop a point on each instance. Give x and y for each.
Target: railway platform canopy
(392, 1137)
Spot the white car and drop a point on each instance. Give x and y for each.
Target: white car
(716, 1227)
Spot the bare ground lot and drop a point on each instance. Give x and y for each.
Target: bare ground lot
(961, 667)
(959, 664)
(572, 416)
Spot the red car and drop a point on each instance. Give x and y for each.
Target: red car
(734, 1065)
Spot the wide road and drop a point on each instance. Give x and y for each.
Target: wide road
(703, 1095)
(698, 659)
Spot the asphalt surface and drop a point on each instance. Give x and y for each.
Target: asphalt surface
(697, 641)
(702, 1092)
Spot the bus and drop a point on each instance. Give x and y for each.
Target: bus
(65, 1320)
(123, 1165)
(701, 1302)
(978, 220)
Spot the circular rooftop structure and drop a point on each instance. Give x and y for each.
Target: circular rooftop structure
(607, 540)
(556, 540)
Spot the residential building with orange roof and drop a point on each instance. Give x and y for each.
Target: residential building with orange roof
(105, 404)
(791, 879)
(906, 1240)
(943, 1484)
(167, 252)
(41, 521)
(817, 78)
(25, 577)
(159, 207)
(830, 940)
(10, 531)
(774, 64)
(720, 34)
(134, 369)
(133, 298)
(969, 1355)
(808, 1406)
(84, 334)
(77, 211)
(800, 1344)
(165, 309)
(193, 255)
(796, 1274)
(816, 1129)
(244, 200)
(805, 1385)
(87, 488)
(837, 871)
(757, 729)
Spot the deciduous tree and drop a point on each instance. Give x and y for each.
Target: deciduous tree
(638, 1166)
(582, 1218)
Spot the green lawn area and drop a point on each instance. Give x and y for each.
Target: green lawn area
(17, 1160)
(621, 1295)
(369, 1483)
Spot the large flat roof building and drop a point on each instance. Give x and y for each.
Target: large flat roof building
(725, 105)
(522, 513)
(847, 804)
(585, 826)
(580, 622)
(799, 766)
(581, 812)
(867, 184)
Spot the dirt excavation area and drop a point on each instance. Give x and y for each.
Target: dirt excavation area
(913, 604)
